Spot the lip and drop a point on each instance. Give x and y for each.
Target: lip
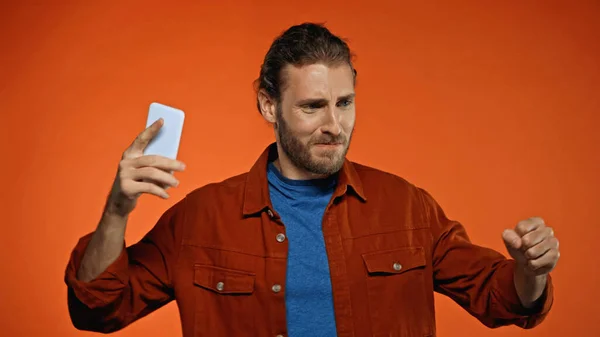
(329, 145)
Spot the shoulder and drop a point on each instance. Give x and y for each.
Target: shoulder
(232, 187)
(387, 186)
(379, 181)
(208, 199)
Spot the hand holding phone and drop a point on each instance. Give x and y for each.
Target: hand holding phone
(148, 164)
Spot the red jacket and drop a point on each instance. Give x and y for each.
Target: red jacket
(220, 253)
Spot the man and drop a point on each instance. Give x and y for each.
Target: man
(306, 243)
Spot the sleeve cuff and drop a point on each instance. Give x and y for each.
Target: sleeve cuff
(506, 294)
(101, 290)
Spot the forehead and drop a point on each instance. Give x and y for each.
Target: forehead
(317, 80)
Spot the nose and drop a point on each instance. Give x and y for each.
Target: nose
(331, 123)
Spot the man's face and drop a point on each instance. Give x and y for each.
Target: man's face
(316, 115)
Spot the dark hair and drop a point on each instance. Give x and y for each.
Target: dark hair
(300, 45)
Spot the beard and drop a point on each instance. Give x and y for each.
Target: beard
(328, 163)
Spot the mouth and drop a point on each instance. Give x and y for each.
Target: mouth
(328, 145)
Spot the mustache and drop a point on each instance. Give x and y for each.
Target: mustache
(330, 140)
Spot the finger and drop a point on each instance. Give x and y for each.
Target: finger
(542, 248)
(150, 188)
(511, 239)
(528, 225)
(133, 189)
(160, 162)
(155, 175)
(533, 238)
(142, 140)
(544, 263)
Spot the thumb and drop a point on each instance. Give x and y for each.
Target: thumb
(511, 239)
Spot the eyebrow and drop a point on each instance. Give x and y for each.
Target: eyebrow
(323, 101)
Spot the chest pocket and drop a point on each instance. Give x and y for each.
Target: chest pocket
(224, 281)
(225, 300)
(396, 261)
(396, 287)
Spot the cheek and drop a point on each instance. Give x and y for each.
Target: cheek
(347, 121)
(303, 131)
(306, 127)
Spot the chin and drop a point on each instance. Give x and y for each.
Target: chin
(328, 165)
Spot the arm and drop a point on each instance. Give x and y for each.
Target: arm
(104, 247)
(137, 282)
(110, 286)
(479, 279)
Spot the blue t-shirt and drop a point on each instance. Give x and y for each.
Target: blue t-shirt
(308, 296)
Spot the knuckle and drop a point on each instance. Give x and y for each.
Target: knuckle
(138, 161)
(127, 187)
(532, 264)
(122, 176)
(537, 219)
(530, 253)
(123, 182)
(141, 138)
(125, 172)
(523, 226)
(123, 164)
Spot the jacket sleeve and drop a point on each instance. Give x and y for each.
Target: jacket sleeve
(479, 279)
(138, 282)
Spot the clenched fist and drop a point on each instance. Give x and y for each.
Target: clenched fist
(533, 245)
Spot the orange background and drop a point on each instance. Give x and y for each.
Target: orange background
(492, 107)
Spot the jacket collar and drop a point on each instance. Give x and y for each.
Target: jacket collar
(256, 194)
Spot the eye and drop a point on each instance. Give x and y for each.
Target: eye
(344, 103)
(312, 107)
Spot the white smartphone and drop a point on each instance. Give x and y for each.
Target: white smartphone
(166, 142)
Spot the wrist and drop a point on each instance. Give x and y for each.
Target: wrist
(529, 286)
(118, 207)
(114, 218)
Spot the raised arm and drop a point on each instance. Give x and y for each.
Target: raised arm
(109, 285)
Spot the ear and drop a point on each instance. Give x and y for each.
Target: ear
(267, 106)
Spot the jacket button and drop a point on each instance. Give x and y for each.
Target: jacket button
(276, 288)
(280, 237)
(397, 266)
(270, 213)
(220, 286)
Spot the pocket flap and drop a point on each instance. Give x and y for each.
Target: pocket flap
(224, 281)
(395, 261)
